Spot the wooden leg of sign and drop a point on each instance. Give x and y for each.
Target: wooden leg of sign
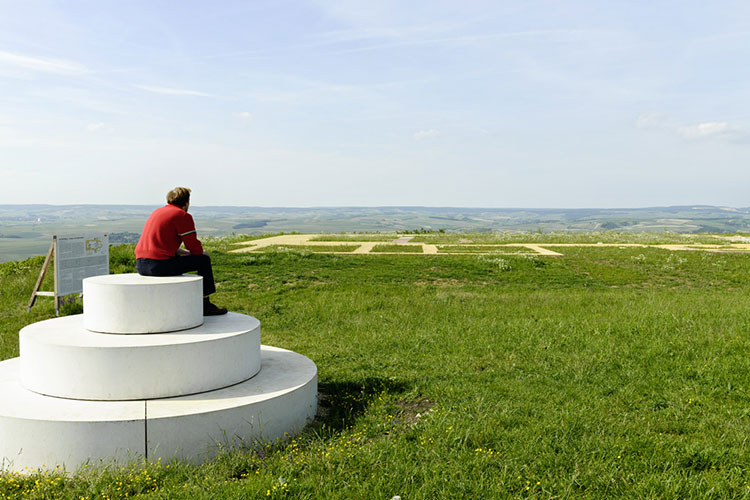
(41, 276)
(57, 263)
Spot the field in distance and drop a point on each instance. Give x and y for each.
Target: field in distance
(518, 243)
(27, 230)
(604, 372)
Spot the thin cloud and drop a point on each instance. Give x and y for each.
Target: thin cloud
(172, 91)
(348, 35)
(94, 127)
(245, 115)
(650, 120)
(426, 134)
(567, 35)
(58, 66)
(385, 33)
(704, 130)
(718, 130)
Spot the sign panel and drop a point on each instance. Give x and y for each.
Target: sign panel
(78, 257)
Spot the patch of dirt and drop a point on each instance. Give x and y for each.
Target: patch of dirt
(410, 411)
(324, 406)
(464, 240)
(440, 282)
(459, 294)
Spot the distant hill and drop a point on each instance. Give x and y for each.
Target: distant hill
(27, 229)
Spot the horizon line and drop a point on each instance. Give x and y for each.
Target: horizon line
(321, 207)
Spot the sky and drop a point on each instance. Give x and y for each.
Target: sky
(304, 103)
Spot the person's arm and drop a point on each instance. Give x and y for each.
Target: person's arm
(186, 232)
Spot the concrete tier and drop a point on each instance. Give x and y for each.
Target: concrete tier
(130, 303)
(275, 404)
(42, 432)
(59, 357)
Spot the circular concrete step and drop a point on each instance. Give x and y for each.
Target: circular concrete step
(59, 357)
(276, 403)
(39, 431)
(131, 303)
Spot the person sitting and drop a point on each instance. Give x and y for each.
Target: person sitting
(158, 251)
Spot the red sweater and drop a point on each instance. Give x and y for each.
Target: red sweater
(165, 230)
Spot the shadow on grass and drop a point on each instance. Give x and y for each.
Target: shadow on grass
(341, 403)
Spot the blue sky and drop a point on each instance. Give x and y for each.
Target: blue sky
(328, 103)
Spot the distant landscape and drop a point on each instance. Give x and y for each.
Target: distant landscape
(26, 230)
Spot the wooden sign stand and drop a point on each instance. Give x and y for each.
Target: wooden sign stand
(39, 293)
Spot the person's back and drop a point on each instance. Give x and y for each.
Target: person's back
(158, 251)
(164, 233)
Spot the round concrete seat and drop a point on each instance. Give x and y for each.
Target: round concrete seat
(59, 357)
(39, 431)
(131, 303)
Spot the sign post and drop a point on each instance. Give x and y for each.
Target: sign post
(76, 258)
(36, 292)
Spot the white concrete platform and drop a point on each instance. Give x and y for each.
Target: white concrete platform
(59, 357)
(135, 304)
(42, 432)
(275, 404)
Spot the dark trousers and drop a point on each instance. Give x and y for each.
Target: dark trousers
(180, 265)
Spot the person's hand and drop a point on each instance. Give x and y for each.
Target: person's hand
(181, 252)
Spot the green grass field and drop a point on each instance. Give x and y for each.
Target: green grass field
(482, 249)
(602, 373)
(309, 248)
(384, 247)
(644, 238)
(356, 237)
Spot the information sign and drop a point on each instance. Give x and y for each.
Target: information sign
(78, 257)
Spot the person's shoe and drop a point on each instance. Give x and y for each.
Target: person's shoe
(210, 309)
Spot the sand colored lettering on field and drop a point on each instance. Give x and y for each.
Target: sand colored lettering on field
(366, 247)
(541, 250)
(538, 249)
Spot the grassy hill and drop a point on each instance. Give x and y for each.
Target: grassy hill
(603, 373)
(27, 230)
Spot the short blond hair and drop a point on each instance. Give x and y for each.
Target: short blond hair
(179, 196)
